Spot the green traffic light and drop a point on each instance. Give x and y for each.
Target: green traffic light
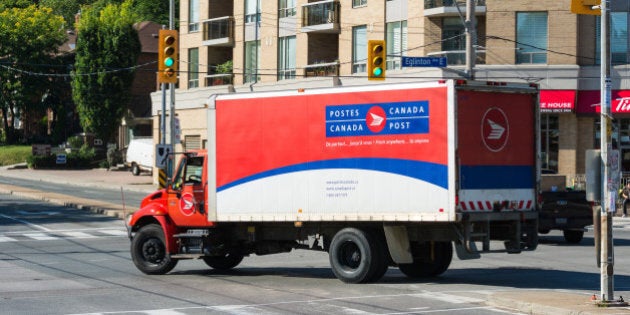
(377, 72)
(169, 62)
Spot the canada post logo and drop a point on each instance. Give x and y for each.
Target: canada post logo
(377, 119)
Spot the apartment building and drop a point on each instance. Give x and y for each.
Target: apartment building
(256, 45)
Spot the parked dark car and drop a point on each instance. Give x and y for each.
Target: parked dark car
(568, 211)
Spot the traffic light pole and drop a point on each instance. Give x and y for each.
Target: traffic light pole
(171, 111)
(608, 204)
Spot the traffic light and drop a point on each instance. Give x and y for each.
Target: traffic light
(586, 7)
(377, 57)
(167, 56)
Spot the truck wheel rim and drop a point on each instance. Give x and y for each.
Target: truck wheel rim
(153, 251)
(350, 255)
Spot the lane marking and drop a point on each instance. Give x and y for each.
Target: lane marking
(4, 239)
(79, 235)
(40, 236)
(35, 226)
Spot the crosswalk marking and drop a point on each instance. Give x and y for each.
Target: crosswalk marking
(79, 235)
(60, 235)
(40, 236)
(6, 239)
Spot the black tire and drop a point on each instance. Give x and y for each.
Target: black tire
(573, 236)
(148, 251)
(226, 262)
(426, 264)
(135, 169)
(382, 252)
(353, 257)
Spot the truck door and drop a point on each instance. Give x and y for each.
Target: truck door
(187, 192)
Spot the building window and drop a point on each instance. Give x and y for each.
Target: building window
(252, 51)
(192, 142)
(193, 68)
(252, 11)
(396, 43)
(193, 16)
(618, 39)
(531, 37)
(550, 135)
(454, 40)
(287, 8)
(359, 3)
(286, 58)
(359, 49)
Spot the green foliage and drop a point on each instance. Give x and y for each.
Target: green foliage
(107, 49)
(65, 8)
(75, 142)
(225, 67)
(14, 154)
(82, 158)
(29, 38)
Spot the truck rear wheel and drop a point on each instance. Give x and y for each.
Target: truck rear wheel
(225, 262)
(355, 258)
(429, 260)
(573, 236)
(148, 251)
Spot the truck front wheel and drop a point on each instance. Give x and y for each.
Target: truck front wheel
(429, 260)
(149, 252)
(225, 262)
(135, 169)
(354, 257)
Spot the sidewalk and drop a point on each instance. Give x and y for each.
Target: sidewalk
(523, 301)
(113, 179)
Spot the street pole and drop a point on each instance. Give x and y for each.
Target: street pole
(608, 206)
(171, 111)
(470, 38)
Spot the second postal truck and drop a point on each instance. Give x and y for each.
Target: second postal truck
(377, 176)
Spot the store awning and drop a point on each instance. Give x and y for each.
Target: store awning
(557, 101)
(588, 102)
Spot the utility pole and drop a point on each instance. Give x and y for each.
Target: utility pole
(171, 111)
(471, 38)
(608, 204)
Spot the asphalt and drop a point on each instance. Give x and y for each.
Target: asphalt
(539, 302)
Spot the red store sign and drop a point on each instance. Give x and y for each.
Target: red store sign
(588, 102)
(557, 101)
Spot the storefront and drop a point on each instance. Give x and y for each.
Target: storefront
(589, 105)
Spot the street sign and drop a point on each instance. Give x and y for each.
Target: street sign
(439, 62)
(162, 152)
(61, 159)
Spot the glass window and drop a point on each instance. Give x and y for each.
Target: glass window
(359, 49)
(454, 39)
(252, 51)
(287, 8)
(252, 11)
(618, 39)
(359, 3)
(193, 16)
(396, 43)
(549, 133)
(286, 58)
(193, 68)
(531, 37)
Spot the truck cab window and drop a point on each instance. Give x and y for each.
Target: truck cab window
(194, 169)
(177, 180)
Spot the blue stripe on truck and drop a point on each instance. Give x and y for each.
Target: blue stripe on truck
(430, 172)
(492, 177)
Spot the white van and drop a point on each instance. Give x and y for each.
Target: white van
(140, 155)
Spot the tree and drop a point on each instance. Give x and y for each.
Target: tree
(29, 38)
(107, 50)
(66, 8)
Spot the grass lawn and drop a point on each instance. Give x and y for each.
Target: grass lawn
(14, 154)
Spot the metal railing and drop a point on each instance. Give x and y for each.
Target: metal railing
(323, 12)
(218, 28)
(322, 70)
(219, 79)
(430, 4)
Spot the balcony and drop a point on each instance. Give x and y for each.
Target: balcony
(322, 69)
(437, 8)
(219, 32)
(321, 17)
(219, 79)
